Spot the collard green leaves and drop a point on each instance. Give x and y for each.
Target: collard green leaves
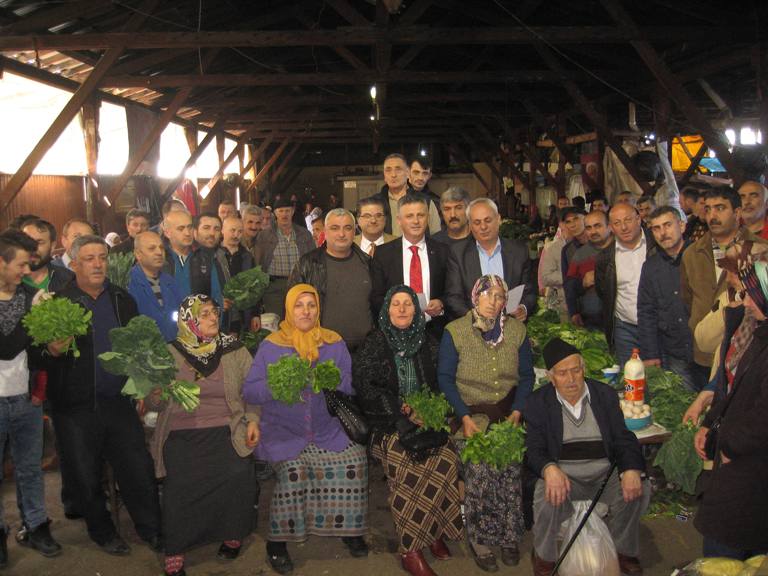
(119, 266)
(678, 458)
(501, 445)
(55, 319)
(246, 288)
(140, 353)
(252, 340)
(430, 408)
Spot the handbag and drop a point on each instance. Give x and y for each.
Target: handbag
(417, 442)
(344, 407)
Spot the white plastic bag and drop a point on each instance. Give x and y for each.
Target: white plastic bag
(593, 552)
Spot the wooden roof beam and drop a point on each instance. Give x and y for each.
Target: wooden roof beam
(43, 19)
(267, 165)
(367, 36)
(192, 159)
(284, 163)
(715, 139)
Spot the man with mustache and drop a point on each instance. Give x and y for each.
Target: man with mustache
(662, 318)
(753, 198)
(43, 275)
(453, 207)
(584, 305)
(702, 280)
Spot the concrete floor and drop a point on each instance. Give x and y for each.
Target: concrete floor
(666, 544)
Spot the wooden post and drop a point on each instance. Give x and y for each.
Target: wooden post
(242, 141)
(263, 171)
(193, 158)
(284, 164)
(89, 122)
(167, 115)
(695, 161)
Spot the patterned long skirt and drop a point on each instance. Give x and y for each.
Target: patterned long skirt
(493, 504)
(322, 493)
(423, 496)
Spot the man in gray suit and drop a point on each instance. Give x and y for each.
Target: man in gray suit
(484, 252)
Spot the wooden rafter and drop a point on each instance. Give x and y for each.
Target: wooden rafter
(456, 149)
(242, 141)
(284, 163)
(267, 165)
(43, 19)
(255, 155)
(192, 159)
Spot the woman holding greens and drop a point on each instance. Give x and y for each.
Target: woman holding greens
(394, 361)
(205, 456)
(485, 369)
(322, 476)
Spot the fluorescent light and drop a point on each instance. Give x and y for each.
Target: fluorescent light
(373, 117)
(423, 152)
(106, 201)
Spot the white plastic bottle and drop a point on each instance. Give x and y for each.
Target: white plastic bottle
(634, 378)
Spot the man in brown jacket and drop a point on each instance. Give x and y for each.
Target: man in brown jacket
(702, 280)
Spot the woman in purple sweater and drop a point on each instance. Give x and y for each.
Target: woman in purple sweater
(322, 476)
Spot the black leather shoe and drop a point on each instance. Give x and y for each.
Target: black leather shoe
(486, 563)
(356, 545)
(3, 549)
(510, 555)
(278, 558)
(39, 539)
(227, 553)
(155, 542)
(116, 546)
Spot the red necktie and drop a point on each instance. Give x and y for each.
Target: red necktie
(416, 282)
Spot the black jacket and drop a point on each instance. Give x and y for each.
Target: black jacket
(383, 195)
(734, 504)
(201, 262)
(543, 415)
(71, 381)
(605, 281)
(662, 317)
(464, 270)
(312, 269)
(387, 271)
(60, 278)
(374, 377)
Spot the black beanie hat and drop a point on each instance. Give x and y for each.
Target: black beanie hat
(556, 350)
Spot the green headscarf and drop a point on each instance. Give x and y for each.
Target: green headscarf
(405, 343)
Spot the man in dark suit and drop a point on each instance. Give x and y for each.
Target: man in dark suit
(414, 260)
(575, 436)
(485, 253)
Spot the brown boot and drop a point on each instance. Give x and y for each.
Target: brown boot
(541, 567)
(415, 563)
(630, 565)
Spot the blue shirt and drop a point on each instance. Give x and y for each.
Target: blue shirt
(492, 264)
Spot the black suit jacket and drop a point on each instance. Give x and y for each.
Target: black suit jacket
(387, 271)
(543, 416)
(464, 270)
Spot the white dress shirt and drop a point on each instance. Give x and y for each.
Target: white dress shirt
(423, 256)
(629, 264)
(574, 409)
(365, 244)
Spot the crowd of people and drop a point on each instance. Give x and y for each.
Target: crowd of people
(408, 293)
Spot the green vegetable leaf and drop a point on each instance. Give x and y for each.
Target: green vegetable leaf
(501, 445)
(246, 288)
(326, 376)
(678, 459)
(288, 377)
(55, 319)
(432, 409)
(119, 266)
(252, 340)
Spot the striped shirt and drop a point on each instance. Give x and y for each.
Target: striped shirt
(156, 290)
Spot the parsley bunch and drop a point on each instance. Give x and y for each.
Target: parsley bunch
(501, 445)
(288, 377)
(430, 408)
(56, 319)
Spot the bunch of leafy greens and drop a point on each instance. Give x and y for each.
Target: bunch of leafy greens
(544, 326)
(140, 353)
(678, 458)
(55, 319)
(515, 230)
(325, 376)
(501, 445)
(119, 268)
(430, 408)
(288, 377)
(667, 395)
(246, 288)
(252, 340)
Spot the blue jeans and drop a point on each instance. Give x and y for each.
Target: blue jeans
(624, 339)
(714, 549)
(22, 422)
(694, 376)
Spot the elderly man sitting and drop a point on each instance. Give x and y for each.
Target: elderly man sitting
(575, 432)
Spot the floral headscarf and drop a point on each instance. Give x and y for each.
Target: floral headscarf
(492, 329)
(307, 343)
(404, 342)
(202, 353)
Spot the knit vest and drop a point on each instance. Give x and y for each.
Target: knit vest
(486, 374)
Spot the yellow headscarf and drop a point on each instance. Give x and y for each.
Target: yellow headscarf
(305, 343)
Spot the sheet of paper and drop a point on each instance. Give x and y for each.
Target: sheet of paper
(514, 297)
(422, 301)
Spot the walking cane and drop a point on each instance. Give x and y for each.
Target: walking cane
(583, 520)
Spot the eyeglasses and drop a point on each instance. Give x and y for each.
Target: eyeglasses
(377, 216)
(210, 313)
